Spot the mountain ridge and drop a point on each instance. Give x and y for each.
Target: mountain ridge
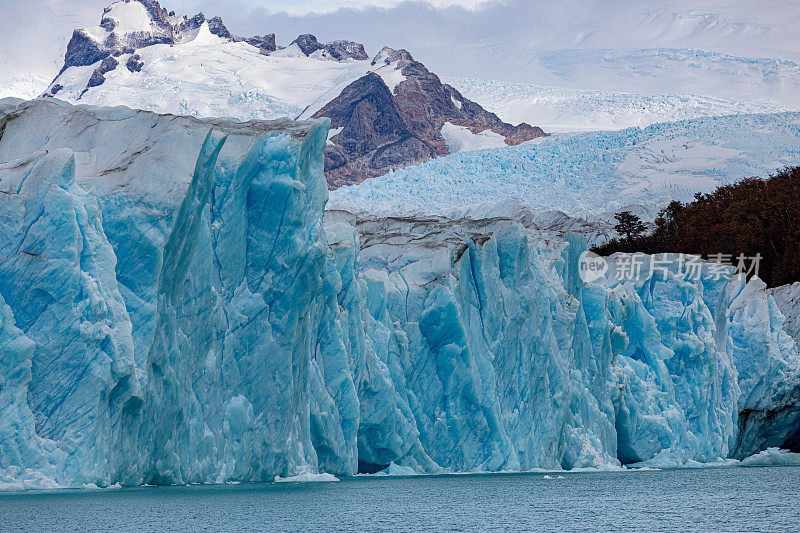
(103, 62)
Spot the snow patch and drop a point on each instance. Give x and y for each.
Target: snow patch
(293, 50)
(392, 76)
(130, 17)
(204, 37)
(206, 76)
(333, 132)
(461, 139)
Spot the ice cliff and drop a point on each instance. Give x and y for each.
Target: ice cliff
(175, 308)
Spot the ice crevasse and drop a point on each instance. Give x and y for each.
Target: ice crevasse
(176, 306)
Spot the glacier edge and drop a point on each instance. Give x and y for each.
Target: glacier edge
(176, 306)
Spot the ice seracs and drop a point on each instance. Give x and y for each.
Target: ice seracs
(589, 175)
(109, 402)
(177, 307)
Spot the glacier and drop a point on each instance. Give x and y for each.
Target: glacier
(560, 109)
(177, 306)
(589, 175)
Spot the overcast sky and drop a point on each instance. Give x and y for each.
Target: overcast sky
(479, 38)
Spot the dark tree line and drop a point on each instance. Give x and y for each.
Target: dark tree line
(754, 216)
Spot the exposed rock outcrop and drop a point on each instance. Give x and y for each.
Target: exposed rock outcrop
(375, 136)
(388, 113)
(98, 76)
(265, 43)
(383, 129)
(134, 63)
(339, 50)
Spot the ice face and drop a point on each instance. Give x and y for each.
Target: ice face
(174, 309)
(219, 254)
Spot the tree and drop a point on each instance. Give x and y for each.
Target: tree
(752, 218)
(629, 225)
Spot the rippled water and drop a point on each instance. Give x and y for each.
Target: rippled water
(724, 499)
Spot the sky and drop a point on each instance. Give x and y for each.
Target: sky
(496, 39)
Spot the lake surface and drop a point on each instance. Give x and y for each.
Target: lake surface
(722, 499)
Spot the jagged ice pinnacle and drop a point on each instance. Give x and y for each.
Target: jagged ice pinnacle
(177, 307)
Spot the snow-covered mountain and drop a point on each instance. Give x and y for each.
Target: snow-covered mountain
(559, 109)
(403, 114)
(601, 64)
(387, 112)
(615, 45)
(655, 57)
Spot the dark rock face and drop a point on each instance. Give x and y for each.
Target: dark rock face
(216, 27)
(135, 63)
(308, 44)
(342, 50)
(82, 50)
(339, 50)
(518, 134)
(390, 55)
(265, 43)
(382, 131)
(54, 90)
(191, 24)
(108, 24)
(98, 76)
(375, 136)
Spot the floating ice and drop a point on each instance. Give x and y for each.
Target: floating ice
(773, 457)
(307, 477)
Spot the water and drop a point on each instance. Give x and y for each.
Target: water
(724, 499)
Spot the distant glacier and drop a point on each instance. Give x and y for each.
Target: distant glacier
(589, 175)
(176, 306)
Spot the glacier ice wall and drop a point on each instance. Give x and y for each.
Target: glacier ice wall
(769, 414)
(176, 307)
(162, 271)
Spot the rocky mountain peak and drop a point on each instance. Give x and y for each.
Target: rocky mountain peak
(266, 43)
(128, 25)
(390, 112)
(387, 56)
(217, 28)
(339, 50)
(394, 117)
(308, 43)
